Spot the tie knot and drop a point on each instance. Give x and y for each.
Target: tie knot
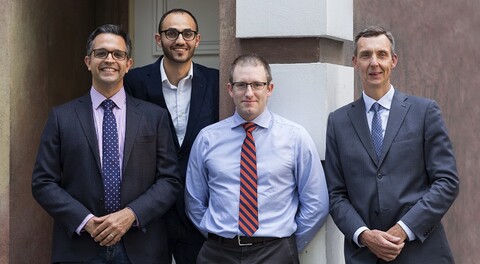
(108, 104)
(249, 126)
(375, 107)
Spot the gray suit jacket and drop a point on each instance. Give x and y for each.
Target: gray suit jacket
(67, 179)
(415, 179)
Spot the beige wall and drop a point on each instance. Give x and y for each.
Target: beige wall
(4, 129)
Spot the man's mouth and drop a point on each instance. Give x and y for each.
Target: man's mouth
(108, 69)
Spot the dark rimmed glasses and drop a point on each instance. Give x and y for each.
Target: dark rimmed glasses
(243, 86)
(103, 54)
(172, 34)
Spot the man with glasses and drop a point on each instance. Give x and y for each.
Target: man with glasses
(189, 91)
(106, 169)
(255, 185)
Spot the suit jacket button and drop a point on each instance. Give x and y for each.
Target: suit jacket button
(379, 175)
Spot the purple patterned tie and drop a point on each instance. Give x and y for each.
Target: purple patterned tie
(110, 158)
(377, 133)
(248, 211)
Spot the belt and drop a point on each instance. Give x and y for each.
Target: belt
(240, 240)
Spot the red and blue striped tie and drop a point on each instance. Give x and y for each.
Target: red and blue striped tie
(248, 211)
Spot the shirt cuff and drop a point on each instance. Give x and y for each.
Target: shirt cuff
(410, 234)
(357, 234)
(84, 222)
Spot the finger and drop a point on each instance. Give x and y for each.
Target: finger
(103, 236)
(108, 240)
(101, 228)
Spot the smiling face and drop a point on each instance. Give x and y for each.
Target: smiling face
(249, 103)
(179, 50)
(374, 61)
(107, 74)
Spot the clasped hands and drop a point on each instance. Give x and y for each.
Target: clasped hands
(385, 245)
(109, 229)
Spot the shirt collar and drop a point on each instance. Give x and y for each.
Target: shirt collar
(263, 120)
(165, 80)
(97, 98)
(385, 101)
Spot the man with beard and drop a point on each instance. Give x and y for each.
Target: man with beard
(190, 93)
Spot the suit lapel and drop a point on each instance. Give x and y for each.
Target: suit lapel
(155, 94)
(154, 85)
(358, 117)
(85, 116)
(133, 120)
(196, 101)
(398, 111)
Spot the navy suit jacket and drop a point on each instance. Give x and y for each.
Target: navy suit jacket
(67, 179)
(415, 179)
(146, 83)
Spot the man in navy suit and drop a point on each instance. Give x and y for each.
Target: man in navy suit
(390, 166)
(72, 173)
(189, 92)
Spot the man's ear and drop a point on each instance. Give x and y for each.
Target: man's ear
(87, 62)
(158, 39)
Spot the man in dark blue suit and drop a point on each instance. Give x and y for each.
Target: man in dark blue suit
(189, 92)
(107, 146)
(390, 166)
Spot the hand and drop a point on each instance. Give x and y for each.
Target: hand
(92, 224)
(398, 231)
(110, 228)
(384, 245)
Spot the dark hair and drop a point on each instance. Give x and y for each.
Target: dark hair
(251, 59)
(112, 29)
(373, 31)
(180, 11)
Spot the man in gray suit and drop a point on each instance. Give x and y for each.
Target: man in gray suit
(390, 166)
(106, 168)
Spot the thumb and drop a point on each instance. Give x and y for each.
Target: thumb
(391, 238)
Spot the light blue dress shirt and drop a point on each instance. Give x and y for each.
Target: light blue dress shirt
(178, 99)
(292, 192)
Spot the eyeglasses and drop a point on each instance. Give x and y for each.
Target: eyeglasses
(243, 86)
(103, 54)
(172, 34)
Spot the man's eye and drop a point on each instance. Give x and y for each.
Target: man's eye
(241, 85)
(101, 53)
(118, 54)
(171, 34)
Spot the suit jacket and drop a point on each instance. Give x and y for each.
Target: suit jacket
(146, 83)
(415, 179)
(67, 179)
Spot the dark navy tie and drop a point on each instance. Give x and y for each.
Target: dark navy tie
(248, 211)
(110, 159)
(377, 131)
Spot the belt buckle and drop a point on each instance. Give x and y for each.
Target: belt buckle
(243, 244)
